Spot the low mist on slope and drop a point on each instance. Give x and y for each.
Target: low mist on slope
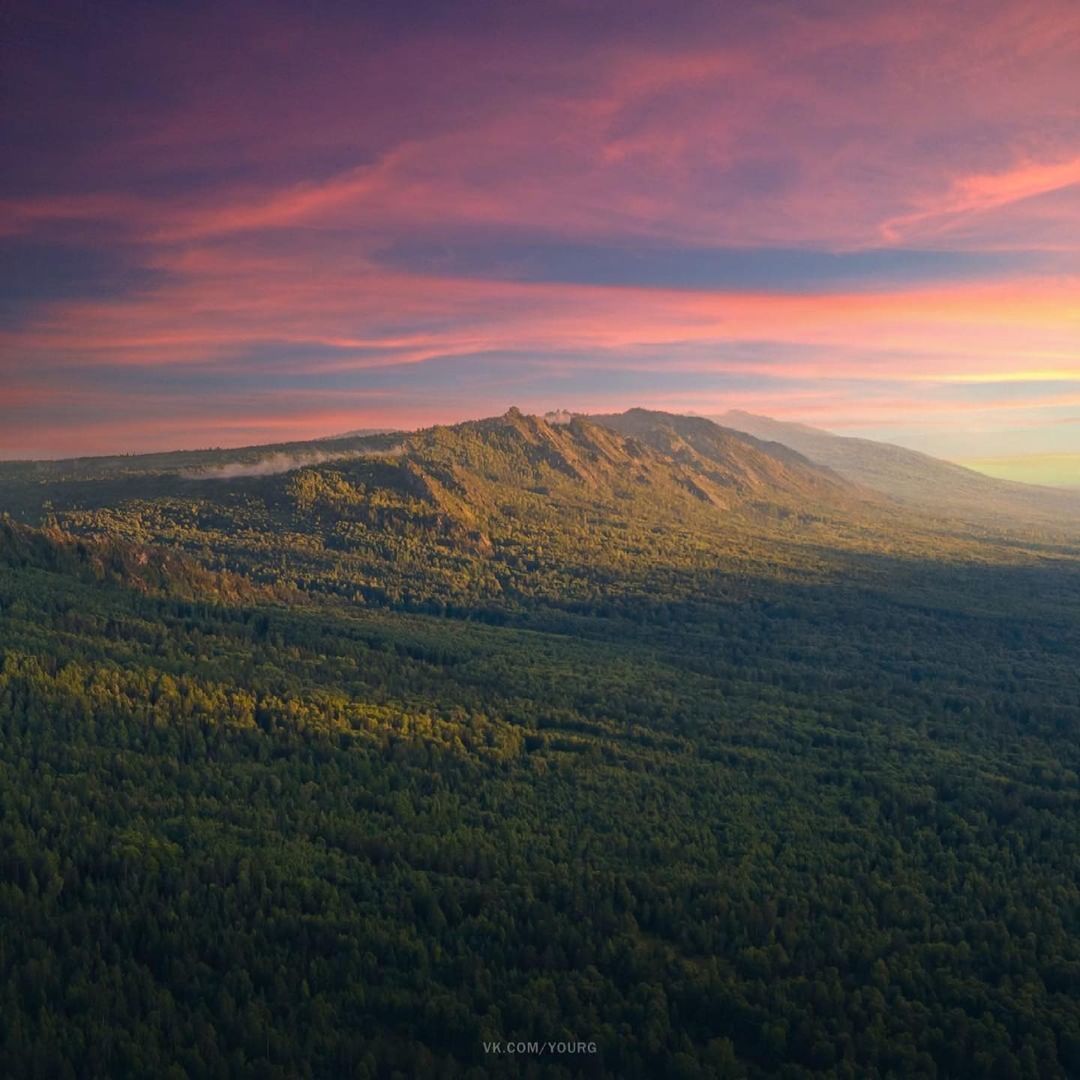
(276, 464)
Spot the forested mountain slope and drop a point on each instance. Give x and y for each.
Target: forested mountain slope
(654, 738)
(500, 510)
(735, 460)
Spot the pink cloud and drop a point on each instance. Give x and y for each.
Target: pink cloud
(312, 146)
(220, 307)
(982, 193)
(641, 140)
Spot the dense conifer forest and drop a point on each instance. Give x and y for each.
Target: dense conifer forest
(636, 733)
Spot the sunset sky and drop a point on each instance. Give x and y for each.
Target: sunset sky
(230, 223)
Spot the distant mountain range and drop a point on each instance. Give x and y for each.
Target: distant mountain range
(736, 462)
(357, 433)
(913, 478)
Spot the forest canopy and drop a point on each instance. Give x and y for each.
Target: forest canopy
(653, 738)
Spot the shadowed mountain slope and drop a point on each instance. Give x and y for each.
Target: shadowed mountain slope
(106, 560)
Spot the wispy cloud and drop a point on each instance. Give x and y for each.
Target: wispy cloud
(985, 192)
(270, 465)
(359, 204)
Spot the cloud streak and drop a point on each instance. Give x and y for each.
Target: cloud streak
(357, 211)
(271, 465)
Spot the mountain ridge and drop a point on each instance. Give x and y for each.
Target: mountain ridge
(914, 478)
(462, 474)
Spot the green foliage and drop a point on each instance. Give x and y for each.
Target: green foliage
(544, 746)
